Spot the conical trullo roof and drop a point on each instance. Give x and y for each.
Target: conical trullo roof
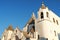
(10, 28)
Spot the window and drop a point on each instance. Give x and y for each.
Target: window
(16, 31)
(42, 15)
(53, 20)
(38, 37)
(56, 21)
(31, 25)
(47, 14)
(55, 33)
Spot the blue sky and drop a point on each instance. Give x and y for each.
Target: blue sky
(18, 12)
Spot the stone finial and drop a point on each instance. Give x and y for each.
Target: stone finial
(43, 6)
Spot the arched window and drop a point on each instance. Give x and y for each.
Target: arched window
(38, 37)
(53, 20)
(47, 14)
(16, 31)
(55, 33)
(57, 21)
(42, 15)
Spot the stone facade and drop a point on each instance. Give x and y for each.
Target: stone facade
(11, 34)
(45, 27)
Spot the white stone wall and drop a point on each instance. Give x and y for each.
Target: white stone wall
(45, 27)
(9, 34)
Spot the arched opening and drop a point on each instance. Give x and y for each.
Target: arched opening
(42, 16)
(54, 32)
(57, 22)
(53, 20)
(31, 25)
(47, 14)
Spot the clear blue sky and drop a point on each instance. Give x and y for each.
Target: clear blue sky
(18, 12)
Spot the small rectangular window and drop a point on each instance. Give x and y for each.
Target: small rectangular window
(55, 33)
(57, 22)
(53, 20)
(42, 15)
(16, 31)
(38, 37)
(47, 14)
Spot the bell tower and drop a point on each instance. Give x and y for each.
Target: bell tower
(42, 22)
(42, 11)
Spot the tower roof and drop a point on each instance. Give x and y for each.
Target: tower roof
(33, 15)
(43, 6)
(10, 28)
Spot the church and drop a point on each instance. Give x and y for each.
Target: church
(44, 27)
